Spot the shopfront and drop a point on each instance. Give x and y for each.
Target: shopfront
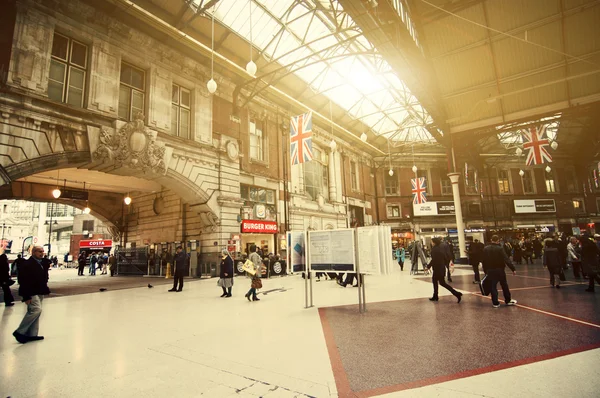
(260, 233)
(97, 245)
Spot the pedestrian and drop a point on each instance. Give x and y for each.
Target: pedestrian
(537, 247)
(401, 256)
(574, 256)
(494, 260)
(226, 277)
(100, 264)
(179, 271)
(93, 262)
(527, 248)
(33, 285)
(448, 251)
(112, 264)
(475, 252)
(255, 282)
(561, 244)
(518, 252)
(589, 261)
(551, 260)
(439, 258)
(349, 280)
(6, 281)
(81, 260)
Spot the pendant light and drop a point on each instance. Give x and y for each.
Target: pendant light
(56, 193)
(127, 200)
(548, 169)
(251, 66)
(87, 209)
(363, 137)
(519, 151)
(391, 172)
(521, 173)
(212, 84)
(414, 168)
(554, 145)
(333, 145)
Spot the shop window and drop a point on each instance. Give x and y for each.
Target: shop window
(68, 67)
(571, 178)
(578, 206)
(316, 175)
(550, 182)
(394, 211)
(88, 225)
(257, 142)
(503, 182)
(527, 179)
(391, 184)
(354, 175)
(180, 111)
(131, 91)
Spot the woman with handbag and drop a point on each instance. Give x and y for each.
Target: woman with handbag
(255, 283)
(6, 281)
(551, 260)
(226, 277)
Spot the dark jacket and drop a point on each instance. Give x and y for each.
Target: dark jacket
(4, 269)
(475, 252)
(227, 267)
(494, 257)
(33, 278)
(448, 255)
(179, 262)
(552, 260)
(439, 259)
(589, 255)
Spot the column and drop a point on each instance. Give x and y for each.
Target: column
(460, 225)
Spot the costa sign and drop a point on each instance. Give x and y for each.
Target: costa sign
(260, 227)
(95, 243)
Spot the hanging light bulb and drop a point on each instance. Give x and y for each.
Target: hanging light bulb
(414, 169)
(554, 145)
(127, 200)
(521, 173)
(86, 210)
(363, 137)
(519, 151)
(56, 193)
(548, 169)
(251, 66)
(212, 84)
(391, 172)
(333, 145)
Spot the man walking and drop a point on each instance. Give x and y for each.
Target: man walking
(475, 253)
(494, 261)
(179, 264)
(33, 285)
(574, 257)
(448, 250)
(5, 281)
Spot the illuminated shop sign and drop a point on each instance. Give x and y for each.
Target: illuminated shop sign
(259, 227)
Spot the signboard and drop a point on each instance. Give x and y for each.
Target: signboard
(534, 206)
(83, 244)
(67, 193)
(433, 208)
(296, 241)
(368, 250)
(331, 250)
(259, 227)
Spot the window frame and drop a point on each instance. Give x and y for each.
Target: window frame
(69, 65)
(579, 200)
(553, 180)
(387, 178)
(530, 174)
(571, 175)
(445, 184)
(262, 146)
(354, 181)
(321, 171)
(179, 107)
(508, 183)
(390, 211)
(132, 89)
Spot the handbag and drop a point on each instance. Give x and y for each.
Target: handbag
(256, 283)
(451, 267)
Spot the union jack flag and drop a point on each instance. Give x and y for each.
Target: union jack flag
(301, 138)
(419, 190)
(534, 140)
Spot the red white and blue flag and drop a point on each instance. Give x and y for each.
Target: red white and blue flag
(419, 190)
(301, 138)
(534, 141)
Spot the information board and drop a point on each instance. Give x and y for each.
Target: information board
(296, 241)
(369, 258)
(331, 250)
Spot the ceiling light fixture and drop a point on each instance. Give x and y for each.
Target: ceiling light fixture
(521, 173)
(87, 209)
(519, 151)
(127, 200)
(363, 137)
(554, 145)
(56, 193)
(391, 172)
(548, 169)
(212, 84)
(251, 66)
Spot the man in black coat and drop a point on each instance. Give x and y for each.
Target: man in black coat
(33, 285)
(179, 263)
(439, 260)
(5, 280)
(494, 261)
(475, 253)
(448, 250)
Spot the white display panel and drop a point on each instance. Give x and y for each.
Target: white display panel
(331, 250)
(369, 253)
(296, 241)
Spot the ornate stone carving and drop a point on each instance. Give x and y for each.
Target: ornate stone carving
(133, 146)
(209, 220)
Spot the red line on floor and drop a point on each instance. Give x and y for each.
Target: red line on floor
(473, 372)
(341, 379)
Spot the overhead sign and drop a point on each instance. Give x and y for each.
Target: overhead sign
(95, 243)
(433, 209)
(534, 206)
(259, 227)
(67, 193)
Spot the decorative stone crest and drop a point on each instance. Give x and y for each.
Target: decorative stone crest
(133, 146)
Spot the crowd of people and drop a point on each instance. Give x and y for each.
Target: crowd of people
(96, 261)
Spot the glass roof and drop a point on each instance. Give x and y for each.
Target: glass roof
(318, 42)
(512, 135)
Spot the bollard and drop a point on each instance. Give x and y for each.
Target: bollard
(168, 275)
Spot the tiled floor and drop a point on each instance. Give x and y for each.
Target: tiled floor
(148, 342)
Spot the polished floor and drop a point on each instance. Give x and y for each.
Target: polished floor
(140, 341)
